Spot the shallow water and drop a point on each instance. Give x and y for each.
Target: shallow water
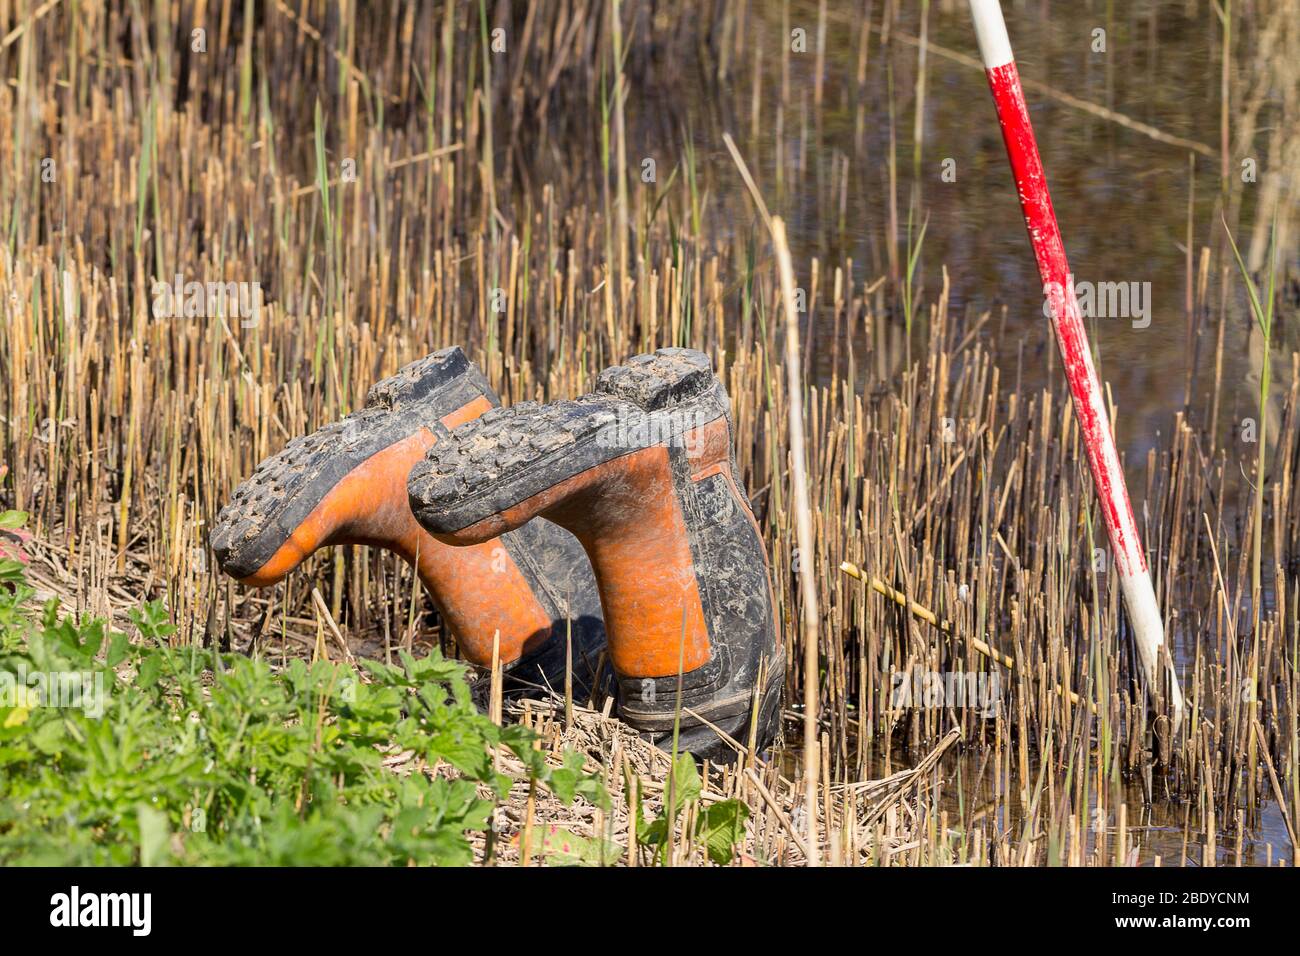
(1156, 827)
(1121, 197)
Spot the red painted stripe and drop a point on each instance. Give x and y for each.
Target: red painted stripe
(1045, 236)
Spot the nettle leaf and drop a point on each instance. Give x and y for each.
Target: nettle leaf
(448, 847)
(565, 779)
(593, 789)
(154, 621)
(119, 647)
(432, 696)
(520, 741)
(467, 752)
(150, 671)
(457, 802)
(90, 640)
(722, 826)
(685, 782)
(461, 694)
(50, 736)
(436, 668)
(387, 675)
(518, 738)
(11, 571)
(64, 640)
(374, 712)
(652, 832)
(570, 781)
(50, 614)
(501, 784)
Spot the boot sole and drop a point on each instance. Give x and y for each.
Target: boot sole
(510, 454)
(703, 743)
(278, 497)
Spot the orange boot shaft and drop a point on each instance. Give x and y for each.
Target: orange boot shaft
(630, 523)
(641, 472)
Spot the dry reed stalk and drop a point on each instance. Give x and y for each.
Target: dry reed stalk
(803, 517)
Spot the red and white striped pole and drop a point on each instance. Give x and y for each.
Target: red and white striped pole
(1094, 424)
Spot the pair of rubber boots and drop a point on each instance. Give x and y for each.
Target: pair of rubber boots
(610, 523)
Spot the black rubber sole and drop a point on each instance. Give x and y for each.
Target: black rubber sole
(703, 743)
(268, 506)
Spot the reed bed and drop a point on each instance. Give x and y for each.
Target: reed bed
(395, 185)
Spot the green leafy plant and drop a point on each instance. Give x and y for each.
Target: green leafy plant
(188, 756)
(718, 826)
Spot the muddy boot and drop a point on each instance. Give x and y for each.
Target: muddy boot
(642, 472)
(346, 484)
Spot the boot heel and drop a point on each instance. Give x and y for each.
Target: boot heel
(653, 382)
(423, 377)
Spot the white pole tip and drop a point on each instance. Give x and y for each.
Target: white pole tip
(991, 32)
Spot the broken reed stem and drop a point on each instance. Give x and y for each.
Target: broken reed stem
(333, 628)
(930, 617)
(22, 28)
(803, 534)
(494, 693)
(391, 167)
(1278, 795)
(775, 807)
(803, 511)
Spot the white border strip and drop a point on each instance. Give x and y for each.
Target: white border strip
(991, 31)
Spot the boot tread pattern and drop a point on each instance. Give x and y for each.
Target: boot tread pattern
(262, 496)
(416, 380)
(659, 380)
(502, 442)
(505, 441)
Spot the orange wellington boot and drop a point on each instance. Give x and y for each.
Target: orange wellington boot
(346, 484)
(642, 472)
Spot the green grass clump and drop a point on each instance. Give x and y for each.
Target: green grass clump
(194, 757)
